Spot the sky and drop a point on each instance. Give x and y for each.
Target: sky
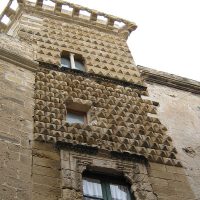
(168, 34)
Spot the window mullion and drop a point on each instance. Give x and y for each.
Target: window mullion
(72, 61)
(104, 190)
(109, 196)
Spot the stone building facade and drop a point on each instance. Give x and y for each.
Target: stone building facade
(61, 62)
(178, 109)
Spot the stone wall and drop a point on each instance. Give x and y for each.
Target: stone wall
(123, 132)
(179, 110)
(104, 52)
(16, 128)
(166, 181)
(75, 162)
(46, 172)
(16, 47)
(118, 116)
(170, 183)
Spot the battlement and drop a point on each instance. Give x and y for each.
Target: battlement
(68, 11)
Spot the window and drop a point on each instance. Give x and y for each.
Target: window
(105, 188)
(72, 61)
(76, 117)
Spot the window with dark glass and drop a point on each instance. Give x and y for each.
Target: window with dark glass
(76, 117)
(105, 188)
(65, 62)
(79, 65)
(72, 61)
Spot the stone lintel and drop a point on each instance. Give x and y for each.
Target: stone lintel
(171, 80)
(93, 150)
(129, 156)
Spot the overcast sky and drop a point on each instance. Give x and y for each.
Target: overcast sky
(168, 33)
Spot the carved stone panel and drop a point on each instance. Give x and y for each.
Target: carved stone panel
(74, 164)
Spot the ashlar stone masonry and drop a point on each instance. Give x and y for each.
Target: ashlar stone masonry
(45, 157)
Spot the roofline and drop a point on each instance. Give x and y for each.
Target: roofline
(170, 80)
(74, 14)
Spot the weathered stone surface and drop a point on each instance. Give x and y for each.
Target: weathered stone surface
(123, 131)
(46, 172)
(173, 184)
(16, 89)
(120, 114)
(15, 46)
(179, 111)
(71, 195)
(132, 171)
(104, 53)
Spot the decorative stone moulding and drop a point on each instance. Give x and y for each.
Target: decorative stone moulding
(170, 80)
(118, 122)
(133, 171)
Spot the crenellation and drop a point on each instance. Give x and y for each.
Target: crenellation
(80, 14)
(49, 48)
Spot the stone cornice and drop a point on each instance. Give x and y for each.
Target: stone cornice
(17, 52)
(97, 77)
(171, 80)
(18, 60)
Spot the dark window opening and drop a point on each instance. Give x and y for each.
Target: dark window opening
(65, 62)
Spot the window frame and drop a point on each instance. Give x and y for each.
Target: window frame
(73, 58)
(106, 181)
(80, 113)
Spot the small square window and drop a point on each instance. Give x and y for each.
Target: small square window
(76, 117)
